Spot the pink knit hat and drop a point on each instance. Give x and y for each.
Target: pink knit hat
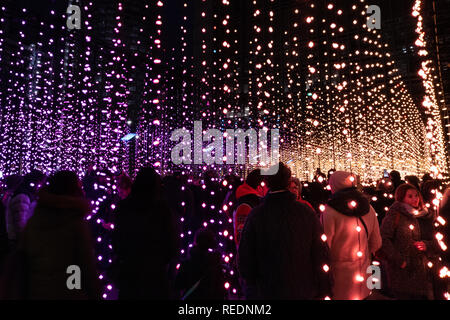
(341, 180)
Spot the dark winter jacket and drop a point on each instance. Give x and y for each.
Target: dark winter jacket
(399, 230)
(56, 237)
(203, 270)
(145, 239)
(382, 203)
(281, 254)
(316, 194)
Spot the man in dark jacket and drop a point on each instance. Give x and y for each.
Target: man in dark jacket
(145, 239)
(281, 253)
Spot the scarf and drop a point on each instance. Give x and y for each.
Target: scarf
(417, 213)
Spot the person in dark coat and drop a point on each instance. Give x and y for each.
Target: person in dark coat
(201, 277)
(317, 192)
(396, 179)
(414, 180)
(384, 198)
(428, 190)
(145, 240)
(408, 245)
(56, 237)
(281, 253)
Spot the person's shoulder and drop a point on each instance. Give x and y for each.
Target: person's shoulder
(394, 209)
(303, 210)
(301, 207)
(256, 212)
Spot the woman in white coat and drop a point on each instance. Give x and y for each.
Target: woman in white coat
(353, 235)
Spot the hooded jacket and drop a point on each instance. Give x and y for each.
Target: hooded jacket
(20, 209)
(353, 235)
(247, 199)
(281, 254)
(56, 237)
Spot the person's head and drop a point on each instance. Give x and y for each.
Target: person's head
(429, 189)
(426, 177)
(124, 184)
(65, 183)
(148, 183)
(280, 180)
(205, 239)
(395, 176)
(36, 177)
(409, 194)
(415, 181)
(385, 185)
(254, 178)
(340, 180)
(295, 187)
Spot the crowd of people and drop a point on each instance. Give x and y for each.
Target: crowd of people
(290, 239)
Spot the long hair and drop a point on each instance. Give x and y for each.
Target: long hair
(400, 193)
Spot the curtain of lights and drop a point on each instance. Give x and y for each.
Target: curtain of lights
(312, 69)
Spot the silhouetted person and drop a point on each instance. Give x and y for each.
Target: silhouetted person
(413, 180)
(396, 179)
(426, 177)
(429, 189)
(57, 236)
(200, 277)
(320, 177)
(145, 240)
(384, 198)
(316, 193)
(281, 254)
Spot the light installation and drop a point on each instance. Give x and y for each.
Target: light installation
(312, 69)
